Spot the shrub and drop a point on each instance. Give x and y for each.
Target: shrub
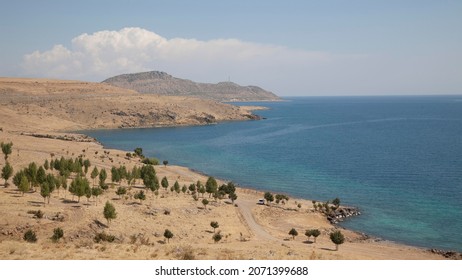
(30, 236)
(337, 238)
(217, 237)
(104, 237)
(151, 161)
(58, 233)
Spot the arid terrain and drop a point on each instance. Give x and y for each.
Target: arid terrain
(34, 115)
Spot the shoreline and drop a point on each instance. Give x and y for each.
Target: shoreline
(42, 132)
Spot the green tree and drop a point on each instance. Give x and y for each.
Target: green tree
(45, 191)
(94, 174)
(315, 233)
(337, 238)
(41, 175)
(121, 191)
(96, 191)
(31, 173)
(109, 212)
(6, 149)
(24, 184)
(139, 152)
(214, 225)
(58, 233)
(79, 187)
(7, 172)
(115, 175)
(308, 233)
(336, 202)
(168, 234)
(205, 202)
(269, 197)
(165, 162)
(202, 190)
(164, 183)
(46, 165)
(233, 197)
(293, 232)
(211, 186)
(176, 187)
(102, 178)
(86, 165)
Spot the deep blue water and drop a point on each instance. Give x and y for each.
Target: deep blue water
(399, 159)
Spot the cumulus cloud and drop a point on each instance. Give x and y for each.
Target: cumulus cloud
(106, 53)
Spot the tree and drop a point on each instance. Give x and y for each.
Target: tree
(233, 197)
(269, 197)
(315, 233)
(164, 183)
(58, 233)
(102, 178)
(115, 175)
(86, 165)
(214, 225)
(6, 149)
(44, 191)
(41, 175)
(94, 174)
(217, 237)
(46, 165)
(79, 187)
(139, 152)
(308, 233)
(24, 185)
(140, 195)
(165, 162)
(109, 212)
(121, 191)
(336, 202)
(168, 234)
(205, 202)
(293, 232)
(176, 187)
(31, 173)
(211, 186)
(7, 172)
(96, 191)
(337, 238)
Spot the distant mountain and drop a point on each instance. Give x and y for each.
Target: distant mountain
(165, 84)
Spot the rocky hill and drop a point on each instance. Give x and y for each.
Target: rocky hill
(165, 84)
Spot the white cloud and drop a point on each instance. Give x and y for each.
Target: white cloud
(283, 70)
(106, 53)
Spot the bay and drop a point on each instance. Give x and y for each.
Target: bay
(399, 159)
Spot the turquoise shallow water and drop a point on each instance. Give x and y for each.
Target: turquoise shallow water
(399, 159)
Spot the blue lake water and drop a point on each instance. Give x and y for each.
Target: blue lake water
(399, 159)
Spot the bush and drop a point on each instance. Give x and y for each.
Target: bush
(217, 237)
(30, 236)
(58, 233)
(104, 237)
(151, 161)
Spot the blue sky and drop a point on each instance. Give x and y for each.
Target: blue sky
(338, 47)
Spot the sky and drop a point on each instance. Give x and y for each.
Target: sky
(292, 48)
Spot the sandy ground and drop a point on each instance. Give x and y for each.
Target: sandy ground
(249, 231)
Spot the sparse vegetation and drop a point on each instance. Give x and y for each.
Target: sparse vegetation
(102, 236)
